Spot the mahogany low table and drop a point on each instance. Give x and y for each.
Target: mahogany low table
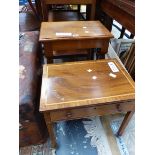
(83, 89)
(72, 35)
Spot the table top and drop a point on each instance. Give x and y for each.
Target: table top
(73, 30)
(84, 83)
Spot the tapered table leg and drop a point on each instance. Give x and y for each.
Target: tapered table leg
(50, 127)
(125, 122)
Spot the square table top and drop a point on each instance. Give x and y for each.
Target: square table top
(84, 83)
(72, 30)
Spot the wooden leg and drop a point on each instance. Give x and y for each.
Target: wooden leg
(93, 8)
(105, 46)
(88, 9)
(48, 52)
(50, 127)
(90, 54)
(122, 33)
(125, 122)
(104, 50)
(79, 8)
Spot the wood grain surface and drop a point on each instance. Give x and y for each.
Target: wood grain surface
(79, 29)
(76, 84)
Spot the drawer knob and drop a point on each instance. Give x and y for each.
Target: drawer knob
(118, 106)
(69, 114)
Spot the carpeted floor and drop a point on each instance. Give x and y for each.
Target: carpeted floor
(93, 136)
(124, 143)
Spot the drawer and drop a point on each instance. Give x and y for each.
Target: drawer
(97, 110)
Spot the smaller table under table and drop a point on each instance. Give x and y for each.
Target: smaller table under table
(83, 89)
(71, 35)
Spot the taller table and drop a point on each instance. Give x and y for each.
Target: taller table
(71, 2)
(73, 35)
(82, 89)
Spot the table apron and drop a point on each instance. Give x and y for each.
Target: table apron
(78, 113)
(50, 46)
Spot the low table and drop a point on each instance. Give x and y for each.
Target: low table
(71, 35)
(83, 89)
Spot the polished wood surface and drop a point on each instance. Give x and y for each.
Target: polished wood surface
(122, 11)
(79, 30)
(84, 35)
(83, 89)
(83, 83)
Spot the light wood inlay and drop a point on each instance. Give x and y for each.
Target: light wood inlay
(71, 84)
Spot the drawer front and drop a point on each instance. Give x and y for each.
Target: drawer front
(74, 44)
(77, 113)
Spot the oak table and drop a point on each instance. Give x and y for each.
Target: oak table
(71, 35)
(83, 89)
(45, 3)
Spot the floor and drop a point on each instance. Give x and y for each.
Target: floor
(92, 136)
